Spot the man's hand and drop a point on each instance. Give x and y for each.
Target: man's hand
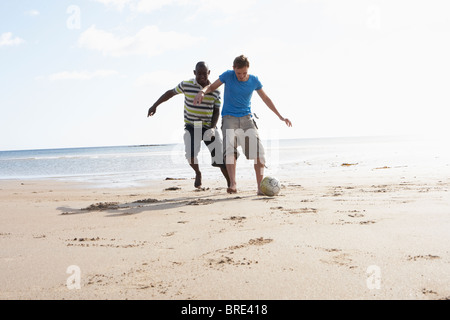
(199, 98)
(151, 111)
(287, 121)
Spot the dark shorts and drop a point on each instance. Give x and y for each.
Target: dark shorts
(193, 136)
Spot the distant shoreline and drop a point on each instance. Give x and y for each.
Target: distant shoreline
(312, 139)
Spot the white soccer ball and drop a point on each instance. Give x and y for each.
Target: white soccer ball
(270, 186)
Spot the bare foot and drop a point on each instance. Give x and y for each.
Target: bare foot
(231, 190)
(198, 181)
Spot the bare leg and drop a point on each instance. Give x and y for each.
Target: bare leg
(231, 168)
(198, 174)
(225, 174)
(259, 172)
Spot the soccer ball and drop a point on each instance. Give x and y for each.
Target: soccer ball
(270, 186)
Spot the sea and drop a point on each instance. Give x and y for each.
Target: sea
(121, 166)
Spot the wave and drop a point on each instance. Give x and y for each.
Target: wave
(96, 156)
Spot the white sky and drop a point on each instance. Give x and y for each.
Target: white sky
(84, 73)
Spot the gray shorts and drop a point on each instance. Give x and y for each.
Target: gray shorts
(242, 131)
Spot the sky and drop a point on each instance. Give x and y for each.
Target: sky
(84, 73)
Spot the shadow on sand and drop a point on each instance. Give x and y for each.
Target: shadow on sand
(115, 209)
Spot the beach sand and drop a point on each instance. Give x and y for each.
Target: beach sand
(381, 233)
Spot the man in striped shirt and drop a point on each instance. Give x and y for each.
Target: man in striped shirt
(200, 121)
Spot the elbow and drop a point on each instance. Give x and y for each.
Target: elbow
(169, 94)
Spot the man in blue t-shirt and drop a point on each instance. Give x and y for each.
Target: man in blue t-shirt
(238, 127)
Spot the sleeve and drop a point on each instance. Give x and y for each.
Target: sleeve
(258, 84)
(224, 76)
(179, 88)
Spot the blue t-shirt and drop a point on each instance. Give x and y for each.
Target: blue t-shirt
(238, 94)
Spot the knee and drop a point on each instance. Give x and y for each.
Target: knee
(260, 162)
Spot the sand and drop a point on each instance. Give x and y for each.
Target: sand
(353, 234)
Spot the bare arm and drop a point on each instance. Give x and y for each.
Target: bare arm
(208, 89)
(215, 118)
(166, 96)
(272, 107)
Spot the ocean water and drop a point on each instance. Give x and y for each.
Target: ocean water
(132, 165)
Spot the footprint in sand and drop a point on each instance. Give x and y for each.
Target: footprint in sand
(102, 242)
(226, 253)
(259, 241)
(295, 211)
(168, 234)
(341, 259)
(422, 257)
(200, 202)
(235, 219)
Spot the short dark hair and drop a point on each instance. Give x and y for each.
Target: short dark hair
(241, 62)
(201, 64)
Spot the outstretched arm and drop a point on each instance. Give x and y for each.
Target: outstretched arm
(166, 96)
(272, 107)
(208, 89)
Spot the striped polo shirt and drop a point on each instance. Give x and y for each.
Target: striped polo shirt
(202, 112)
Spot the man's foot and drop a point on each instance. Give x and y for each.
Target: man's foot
(231, 190)
(198, 180)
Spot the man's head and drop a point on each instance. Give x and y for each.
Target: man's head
(202, 73)
(240, 67)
